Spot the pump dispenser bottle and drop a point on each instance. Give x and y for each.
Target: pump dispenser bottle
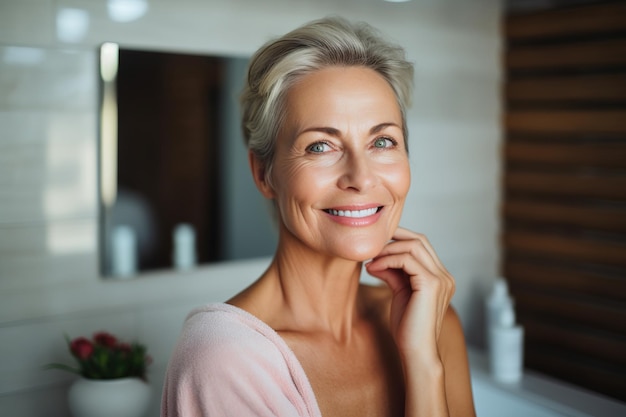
(124, 253)
(184, 256)
(507, 347)
(497, 300)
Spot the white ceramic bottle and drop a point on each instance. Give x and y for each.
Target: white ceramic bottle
(184, 246)
(496, 301)
(124, 253)
(506, 355)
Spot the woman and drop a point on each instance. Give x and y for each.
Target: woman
(324, 121)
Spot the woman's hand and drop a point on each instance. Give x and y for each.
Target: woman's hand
(422, 289)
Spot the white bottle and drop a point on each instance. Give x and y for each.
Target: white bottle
(184, 256)
(124, 253)
(506, 356)
(497, 300)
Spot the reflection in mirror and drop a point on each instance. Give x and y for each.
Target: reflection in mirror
(175, 187)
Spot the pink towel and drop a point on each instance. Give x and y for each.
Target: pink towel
(229, 363)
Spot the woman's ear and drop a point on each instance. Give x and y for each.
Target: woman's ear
(259, 176)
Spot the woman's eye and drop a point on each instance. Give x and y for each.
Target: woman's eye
(384, 143)
(318, 147)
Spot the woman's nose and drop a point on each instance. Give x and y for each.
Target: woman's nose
(358, 173)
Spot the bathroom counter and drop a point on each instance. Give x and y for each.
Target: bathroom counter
(535, 395)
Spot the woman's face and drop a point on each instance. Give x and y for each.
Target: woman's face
(341, 171)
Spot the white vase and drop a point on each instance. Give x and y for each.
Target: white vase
(124, 397)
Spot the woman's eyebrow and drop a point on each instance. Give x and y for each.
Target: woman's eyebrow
(336, 132)
(383, 126)
(323, 129)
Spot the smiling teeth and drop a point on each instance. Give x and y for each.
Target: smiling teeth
(354, 213)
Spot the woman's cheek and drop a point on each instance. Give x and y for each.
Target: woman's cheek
(397, 172)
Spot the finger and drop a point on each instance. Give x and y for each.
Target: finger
(419, 277)
(396, 280)
(429, 247)
(413, 275)
(406, 234)
(417, 256)
(413, 248)
(400, 261)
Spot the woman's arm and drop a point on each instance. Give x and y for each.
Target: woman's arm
(448, 384)
(453, 351)
(426, 331)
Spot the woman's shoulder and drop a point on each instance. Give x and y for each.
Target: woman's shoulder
(221, 338)
(226, 357)
(217, 325)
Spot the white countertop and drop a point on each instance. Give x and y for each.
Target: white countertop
(536, 395)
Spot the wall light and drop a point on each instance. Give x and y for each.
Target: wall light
(109, 62)
(127, 10)
(72, 24)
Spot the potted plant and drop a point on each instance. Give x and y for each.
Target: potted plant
(113, 377)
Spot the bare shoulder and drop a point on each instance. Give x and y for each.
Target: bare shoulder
(453, 351)
(253, 299)
(451, 338)
(451, 320)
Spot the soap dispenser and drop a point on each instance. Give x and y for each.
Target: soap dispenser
(124, 253)
(184, 255)
(496, 301)
(506, 353)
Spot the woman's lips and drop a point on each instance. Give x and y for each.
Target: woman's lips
(355, 216)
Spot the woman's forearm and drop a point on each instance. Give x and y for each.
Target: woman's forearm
(425, 388)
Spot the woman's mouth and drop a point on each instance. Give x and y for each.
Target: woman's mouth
(354, 213)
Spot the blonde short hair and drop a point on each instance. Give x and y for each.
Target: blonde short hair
(280, 63)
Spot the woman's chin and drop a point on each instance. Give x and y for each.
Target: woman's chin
(360, 253)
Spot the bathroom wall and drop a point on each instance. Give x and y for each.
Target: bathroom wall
(49, 284)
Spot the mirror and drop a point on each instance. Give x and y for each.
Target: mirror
(175, 187)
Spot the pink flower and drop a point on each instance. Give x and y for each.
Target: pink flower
(106, 357)
(105, 339)
(81, 348)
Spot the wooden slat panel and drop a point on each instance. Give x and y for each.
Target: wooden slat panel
(596, 88)
(570, 185)
(611, 381)
(566, 248)
(553, 308)
(578, 216)
(591, 54)
(567, 279)
(565, 189)
(601, 155)
(567, 121)
(591, 19)
(577, 340)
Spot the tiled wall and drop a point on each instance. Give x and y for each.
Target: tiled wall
(49, 284)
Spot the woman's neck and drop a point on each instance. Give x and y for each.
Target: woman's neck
(304, 290)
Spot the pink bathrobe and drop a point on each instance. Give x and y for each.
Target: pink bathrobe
(229, 363)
